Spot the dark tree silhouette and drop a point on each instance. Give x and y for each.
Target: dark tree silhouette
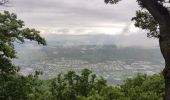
(154, 17)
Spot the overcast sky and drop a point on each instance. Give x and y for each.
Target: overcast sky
(76, 16)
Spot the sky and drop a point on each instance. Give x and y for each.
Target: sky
(77, 17)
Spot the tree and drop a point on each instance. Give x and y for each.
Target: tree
(73, 86)
(154, 17)
(12, 31)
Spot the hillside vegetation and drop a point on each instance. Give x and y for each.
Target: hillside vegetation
(84, 86)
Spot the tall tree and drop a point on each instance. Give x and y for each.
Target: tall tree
(154, 17)
(13, 31)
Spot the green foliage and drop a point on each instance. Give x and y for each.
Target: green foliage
(18, 87)
(12, 85)
(72, 85)
(146, 21)
(82, 86)
(144, 87)
(12, 30)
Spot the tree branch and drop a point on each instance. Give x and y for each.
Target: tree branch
(158, 11)
(112, 1)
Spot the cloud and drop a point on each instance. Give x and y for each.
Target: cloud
(79, 17)
(74, 14)
(139, 40)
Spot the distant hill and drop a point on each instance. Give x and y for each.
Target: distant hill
(92, 48)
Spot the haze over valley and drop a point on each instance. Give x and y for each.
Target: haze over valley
(102, 54)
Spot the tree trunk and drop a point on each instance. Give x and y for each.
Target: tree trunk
(164, 41)
(162, 15)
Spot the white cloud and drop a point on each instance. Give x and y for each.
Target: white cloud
(78, 17)
(93, 16)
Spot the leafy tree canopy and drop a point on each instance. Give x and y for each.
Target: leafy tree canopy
(82, 86)
(13, 30)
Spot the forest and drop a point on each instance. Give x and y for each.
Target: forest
(84, 86)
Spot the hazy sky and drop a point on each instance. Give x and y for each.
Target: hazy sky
(76, 16)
